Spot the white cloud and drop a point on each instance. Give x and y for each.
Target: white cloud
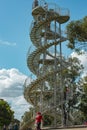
(11, 90)
(83, 59)
(7, 43)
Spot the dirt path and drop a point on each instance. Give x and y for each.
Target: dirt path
(74, 129)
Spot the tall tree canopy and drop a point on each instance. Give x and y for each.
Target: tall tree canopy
(6, 114)
(77, 33)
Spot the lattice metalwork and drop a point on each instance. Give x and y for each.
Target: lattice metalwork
(46, 61)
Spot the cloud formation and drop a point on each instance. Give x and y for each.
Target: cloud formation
(7, 43)
(11, 90)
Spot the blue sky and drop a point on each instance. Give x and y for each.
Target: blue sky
(15, 21)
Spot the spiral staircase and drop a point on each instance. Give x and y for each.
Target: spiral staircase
(46, 61)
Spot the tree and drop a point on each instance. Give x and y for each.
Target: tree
(6, 114)
(77, 33)
(83, 91)
(27, 119)
(77, 36)
(71, 97)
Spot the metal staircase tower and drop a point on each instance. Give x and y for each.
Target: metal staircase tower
(45, 93)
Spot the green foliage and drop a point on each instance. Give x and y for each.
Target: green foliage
(6, 114)
(77, 33)
(27, 120)
(48, 119)
(83, 103)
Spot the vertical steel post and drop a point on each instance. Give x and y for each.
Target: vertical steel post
(43, 69)
(61, 80)
(55, 82)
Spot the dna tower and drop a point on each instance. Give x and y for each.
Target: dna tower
(45, 92)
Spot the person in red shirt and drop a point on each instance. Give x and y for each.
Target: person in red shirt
(38, 120)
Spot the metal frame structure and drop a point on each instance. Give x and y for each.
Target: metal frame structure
(45, 93)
